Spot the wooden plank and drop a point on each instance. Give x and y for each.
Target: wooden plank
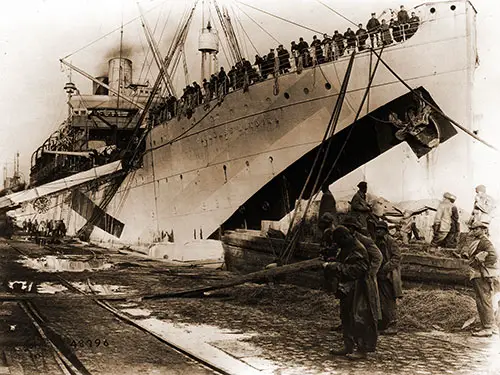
(247, 252)
(266, 274)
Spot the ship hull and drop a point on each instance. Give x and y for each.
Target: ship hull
(198, 172)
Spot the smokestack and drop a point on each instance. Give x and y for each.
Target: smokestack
(120, 73)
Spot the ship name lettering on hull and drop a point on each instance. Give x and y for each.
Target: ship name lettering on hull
(209, 137)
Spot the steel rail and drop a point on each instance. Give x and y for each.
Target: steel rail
(126, 319)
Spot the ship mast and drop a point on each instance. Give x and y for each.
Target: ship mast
(227, 27)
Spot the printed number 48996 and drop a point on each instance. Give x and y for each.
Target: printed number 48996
(89, 343)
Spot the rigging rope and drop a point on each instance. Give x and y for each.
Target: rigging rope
(260, 26)
(434, 107)
(358, 113)
(280, 18)
(329, 132)
(111, 32)
(360, 108)
(337, 13)
(249, 39)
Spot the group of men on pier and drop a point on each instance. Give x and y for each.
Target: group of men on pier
(362, 264)
(51, 229)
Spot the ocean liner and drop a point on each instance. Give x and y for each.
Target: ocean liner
(127, 169)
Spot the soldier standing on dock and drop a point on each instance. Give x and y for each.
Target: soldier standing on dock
(484, 277)
(351, 268)
(359, 206)
(388, 278)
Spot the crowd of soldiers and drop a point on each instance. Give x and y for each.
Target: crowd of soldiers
(363, 264)
(53, 229)
(274, 63)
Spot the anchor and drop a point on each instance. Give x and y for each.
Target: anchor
(419, 123)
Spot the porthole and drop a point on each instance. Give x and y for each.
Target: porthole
(247, 163)
(453, 7)
(286, 95)
(306, 90)
(433, 10)
(328, 86)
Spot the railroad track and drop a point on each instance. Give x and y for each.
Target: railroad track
(66, 359)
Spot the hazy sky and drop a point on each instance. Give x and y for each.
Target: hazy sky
(35, 34)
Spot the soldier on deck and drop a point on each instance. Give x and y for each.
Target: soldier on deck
(318, 51)
(385, 33)
(362, 36)
(350, 38)
(403, 20)
(373, 27)
(339, 43)
(303, 48)
(284, 59)
(414, 22)
(327, 45)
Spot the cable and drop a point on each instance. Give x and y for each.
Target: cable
(249, 39)
(360, 108)
(329, 132)
(111, 32)
(337, 13)
(281, 18)
(262, 28)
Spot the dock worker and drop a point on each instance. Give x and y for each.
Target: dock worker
(359, 205)
(327, 202)
(351, 267)
(442, 220)
(451, 240)
(328, 249)
(388, 278)
(408, 227)
(483, 206)
(484, 275)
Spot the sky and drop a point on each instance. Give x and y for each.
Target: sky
(35, 34)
